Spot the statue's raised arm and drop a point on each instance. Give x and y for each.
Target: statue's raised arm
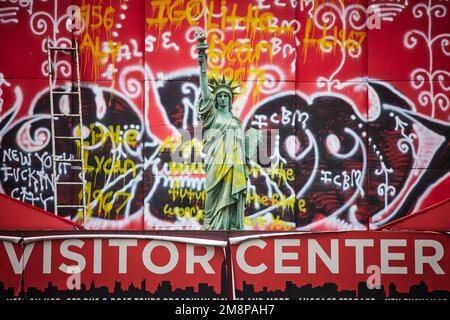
(202, 58)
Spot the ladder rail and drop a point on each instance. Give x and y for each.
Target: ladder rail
(83, 197)
(50, 85)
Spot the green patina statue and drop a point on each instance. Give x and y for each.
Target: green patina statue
(227, 150)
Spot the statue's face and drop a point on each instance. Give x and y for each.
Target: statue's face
(223, 100)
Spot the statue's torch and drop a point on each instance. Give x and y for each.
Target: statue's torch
(202, 45)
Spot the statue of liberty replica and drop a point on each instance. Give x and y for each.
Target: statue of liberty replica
(227, 150)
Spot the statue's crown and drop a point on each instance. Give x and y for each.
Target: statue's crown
(222, 85)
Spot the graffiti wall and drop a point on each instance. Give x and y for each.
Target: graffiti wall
(353, 97)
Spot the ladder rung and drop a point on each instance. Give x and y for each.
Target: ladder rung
(70, 206)
(66, 115)
(65, 92)
(69, 182)
(62, 48)
(68, 138)
(67, 160)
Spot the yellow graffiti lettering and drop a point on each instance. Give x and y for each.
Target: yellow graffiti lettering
(108, 166)
(130, 138)
(301, 205)
(209, 24)
(98, 19)
(283, 202)
(95, 18)
(97, 54)
(176, 16)
(183, 212)
(194, 10)
(240, 75)
(234, 51)
(258, 222)
(330, 40)
(279, 224)
(170, 144)
(176, 168)
(161, 20)
(105, 202)
(100, 134)
(165, 12)
(257, 199)
(282, 174)
(95, 51)
(193, 144)
(181, 194)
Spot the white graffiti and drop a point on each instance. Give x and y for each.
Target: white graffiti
(150, 43)
(407, 142)
(5, 83)
(384, 189)
(42, 22)
(428, 143)
(271, 74)
(8, 15)
(352, 16)
(11, 113)
(131, 86)
(167, 44)
(304, 4)
(189, 106)
(430, 76)
(385, 10)
(38, 141)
